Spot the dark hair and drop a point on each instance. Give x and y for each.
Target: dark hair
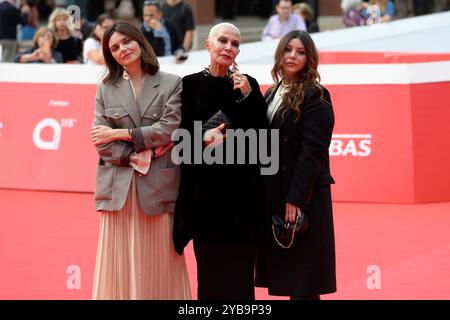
(149, 62)
(98, 22)
(308, 76)
(154, 3)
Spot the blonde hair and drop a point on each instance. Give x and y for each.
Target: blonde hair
(52, 19)
(40, 32)
(305, 10)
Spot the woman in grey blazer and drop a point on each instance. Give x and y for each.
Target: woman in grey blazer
(137, 107)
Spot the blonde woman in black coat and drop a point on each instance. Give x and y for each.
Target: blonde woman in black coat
(301, 109)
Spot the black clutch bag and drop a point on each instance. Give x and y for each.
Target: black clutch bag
(216, 120)
(285, 233)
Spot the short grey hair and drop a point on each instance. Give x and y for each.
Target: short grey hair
(213, 31)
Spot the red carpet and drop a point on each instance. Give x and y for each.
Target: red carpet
(43, 233)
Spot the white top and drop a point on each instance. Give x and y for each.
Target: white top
(90, 44)
(275, 104)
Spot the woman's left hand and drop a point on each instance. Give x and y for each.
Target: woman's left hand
(241, 82)
(102, 135)
(291, 213)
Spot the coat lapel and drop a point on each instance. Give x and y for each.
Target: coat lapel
(280, 117)
(124, 94)
(149, 92)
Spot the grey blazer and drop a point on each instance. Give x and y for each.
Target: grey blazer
(153, 118)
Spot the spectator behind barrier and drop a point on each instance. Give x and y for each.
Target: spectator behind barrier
(161, 33)
(305, 11)
(283, 22)
(68, 44)
(10, 17)
(354, 13)
(385, 10)
(92, 50)
(180, 13)
(44, 51)
(32, 25)
(45, 8)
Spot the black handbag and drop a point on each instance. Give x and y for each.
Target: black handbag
(216, 120)
(285, 233)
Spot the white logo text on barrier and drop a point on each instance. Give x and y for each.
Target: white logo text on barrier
(356, 145)
(56, 126)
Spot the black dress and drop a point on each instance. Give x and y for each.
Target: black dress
(70, 48)
(308, 267)
(220, 206)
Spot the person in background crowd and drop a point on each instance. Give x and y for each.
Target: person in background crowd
(68, 44)
(386, 7)
(136, 4)
(10, 17)
(92, 50)
(160, 33)
(137, 107)
(301, 109)
(314, 4)
(306, 12)
(44, 51)
(354, 13)
(95, 9)
(180, 13)
(45, 8)
(283, 22)
(30, 28)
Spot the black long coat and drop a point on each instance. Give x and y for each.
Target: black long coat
(219, 202)
(308, 267)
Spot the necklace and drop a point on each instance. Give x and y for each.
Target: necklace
(207, 72)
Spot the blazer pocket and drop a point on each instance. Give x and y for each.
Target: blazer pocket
(152, 115)
(166, 183)
(104, 182)
(118, 116)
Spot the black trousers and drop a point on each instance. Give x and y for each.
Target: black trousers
(225, 271)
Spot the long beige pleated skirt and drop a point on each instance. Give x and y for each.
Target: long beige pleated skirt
(136, 258)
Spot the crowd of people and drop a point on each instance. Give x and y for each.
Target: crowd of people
(368, 12)
(168, 26)
(288, 18)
